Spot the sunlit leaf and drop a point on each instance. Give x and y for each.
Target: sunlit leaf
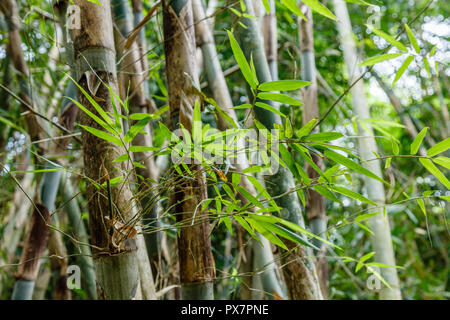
(412, 39)
(435, 171)
(383, 57)
(283, 85)
(418, 141)
(439, 147)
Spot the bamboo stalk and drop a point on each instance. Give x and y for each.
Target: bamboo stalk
(197, 269)
(131, 73)
(315, 206)
(217, 83)
(379, 224)
(299, 271)
(33, 250)
(79, 231)
(116, 264)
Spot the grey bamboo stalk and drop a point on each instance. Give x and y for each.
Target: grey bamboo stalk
(217, 83)
(300, 272)
(131, 74)
(197, 269)
(381, 240)
(69, 113)
(315, 202)
(154, 239)
(116, 264)
(79, 232)
(271, 39)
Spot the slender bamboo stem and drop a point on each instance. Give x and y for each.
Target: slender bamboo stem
(381, 240)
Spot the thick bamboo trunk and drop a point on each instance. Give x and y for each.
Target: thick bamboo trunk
(197, 270)
(315, 206)
(379, 224)
(299, 271)
(116, 264)
(217, 83)
(132, 80)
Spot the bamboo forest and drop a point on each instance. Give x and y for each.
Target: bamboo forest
(224, 150)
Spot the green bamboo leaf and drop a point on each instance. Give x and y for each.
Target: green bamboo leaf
(140, 116)
(427, 66)
(115, 181)
(94, 117)
(316, 6)
(377, 275)
(324, 136)
(364, 228)
(403, 68)
(280, 231)
(235, 12)
(293, 7)
(143, 148)
(388, 38)
(242, 62)
(326, 193)
(383, 265)
(366, 216)
(297, 228)
(288, 130)
(135, 129)
(102, 135)
(412, 39)
(306, 129)
(96, 2)
(266, 233)
(367, 256)
(383, 57)
(123, 157)
(243, 106)
(37, 170)
(307, 157)
(352, 165)
(283, 85)
(359, 2)
(442, 161)
(266, 6)
(279, 97)
(245, 225)
(262, 190)
(433, 51)
(250, 198)
(352, 194)
(435, 171)
(96, 106)
(138, 165)
(422, 206)
(439, 147)
(269, 108)
(418, 140)
(388, 163)
(359, 265)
